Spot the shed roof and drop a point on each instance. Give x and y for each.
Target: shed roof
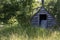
(40, 10)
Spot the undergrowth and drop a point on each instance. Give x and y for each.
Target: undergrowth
(28, 33)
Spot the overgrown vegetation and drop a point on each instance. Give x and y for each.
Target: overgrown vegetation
(15, 18)
(19, 32)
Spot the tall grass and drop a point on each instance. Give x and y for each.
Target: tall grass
(28, 33)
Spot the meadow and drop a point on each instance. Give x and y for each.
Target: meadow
(19, 32)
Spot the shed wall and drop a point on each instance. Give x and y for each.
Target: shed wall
(50, 20)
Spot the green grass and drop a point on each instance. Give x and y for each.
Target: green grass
(28, 33)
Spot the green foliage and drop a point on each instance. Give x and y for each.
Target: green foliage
(9, 8)
(18, 12)
(21, 9)
(28, 31)
(21, 30)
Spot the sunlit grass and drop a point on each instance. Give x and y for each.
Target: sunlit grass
(28, 33)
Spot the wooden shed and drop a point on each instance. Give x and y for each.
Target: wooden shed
(43, 18)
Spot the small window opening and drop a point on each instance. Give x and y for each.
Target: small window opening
(42, 17)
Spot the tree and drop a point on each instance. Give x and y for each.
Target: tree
(11, 7)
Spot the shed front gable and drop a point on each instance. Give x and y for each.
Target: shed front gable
(35, 19)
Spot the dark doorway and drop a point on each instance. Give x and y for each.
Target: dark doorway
(42, 17)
